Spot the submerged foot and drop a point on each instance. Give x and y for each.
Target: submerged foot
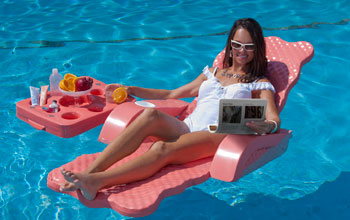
(79, 181)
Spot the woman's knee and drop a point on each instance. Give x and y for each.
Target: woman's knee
(160, 150)
(150, 114)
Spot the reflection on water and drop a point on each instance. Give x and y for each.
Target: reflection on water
(164, 44)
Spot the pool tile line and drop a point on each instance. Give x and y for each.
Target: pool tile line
(53, 44)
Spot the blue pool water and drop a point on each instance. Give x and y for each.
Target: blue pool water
(164, 44)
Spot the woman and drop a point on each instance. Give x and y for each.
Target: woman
(188, 140)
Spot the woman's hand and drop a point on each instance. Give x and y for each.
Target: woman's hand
(109, 89)
(261, 127)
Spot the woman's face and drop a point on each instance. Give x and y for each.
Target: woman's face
(242, 54)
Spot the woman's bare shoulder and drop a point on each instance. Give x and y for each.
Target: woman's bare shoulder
(211, 69)
(264, 79)
(214, 69)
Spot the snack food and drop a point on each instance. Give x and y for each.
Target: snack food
(120, 95)
(72, 83)
(82, 83)
(69, 75)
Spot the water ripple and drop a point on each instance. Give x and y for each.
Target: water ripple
(47, 43)
(166, 44)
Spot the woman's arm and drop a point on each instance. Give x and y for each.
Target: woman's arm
(271, 110)
(188, 90)
(271, 115)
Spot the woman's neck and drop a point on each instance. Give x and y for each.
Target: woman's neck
(236, 68)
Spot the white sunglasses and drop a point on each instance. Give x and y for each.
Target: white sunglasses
(237, 46)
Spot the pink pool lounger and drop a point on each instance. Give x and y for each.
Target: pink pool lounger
(236, 156)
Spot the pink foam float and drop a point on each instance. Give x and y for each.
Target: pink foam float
(237, 155)
(76, 114)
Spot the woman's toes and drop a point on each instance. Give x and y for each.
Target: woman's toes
(68, 187)
(69, 176)
(78, 181)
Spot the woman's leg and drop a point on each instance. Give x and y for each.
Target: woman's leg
(188, 147)
(150, 123)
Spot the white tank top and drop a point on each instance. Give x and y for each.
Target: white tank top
(210, 92)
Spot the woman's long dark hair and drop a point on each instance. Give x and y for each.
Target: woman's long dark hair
(258, 66)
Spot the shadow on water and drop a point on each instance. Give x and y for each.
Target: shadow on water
(330, 201)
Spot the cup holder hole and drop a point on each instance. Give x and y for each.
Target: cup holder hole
(96, 108)
(70, 115)
(66, 101)
(97, 92)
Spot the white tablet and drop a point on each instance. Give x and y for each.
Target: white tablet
(234, 113)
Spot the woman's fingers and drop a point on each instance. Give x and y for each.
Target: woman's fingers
(260, 127)
(109, 89)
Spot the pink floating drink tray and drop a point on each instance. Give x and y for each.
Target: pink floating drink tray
(75, 115)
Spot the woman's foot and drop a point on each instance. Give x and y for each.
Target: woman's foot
(67, 186)
(79, 181)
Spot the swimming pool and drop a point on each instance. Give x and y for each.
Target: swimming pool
(136, 42)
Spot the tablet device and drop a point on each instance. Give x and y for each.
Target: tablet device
(234, 113)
